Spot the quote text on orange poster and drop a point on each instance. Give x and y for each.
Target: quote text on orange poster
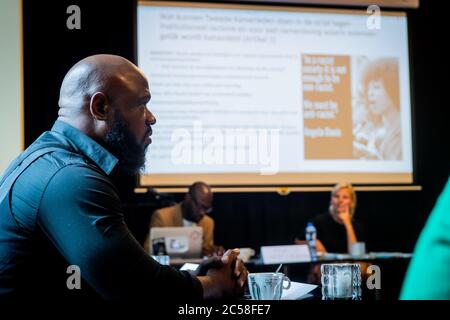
(327, 116)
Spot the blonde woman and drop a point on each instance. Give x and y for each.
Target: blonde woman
(337, 230)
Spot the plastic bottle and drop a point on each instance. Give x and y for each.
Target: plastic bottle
(311, 236)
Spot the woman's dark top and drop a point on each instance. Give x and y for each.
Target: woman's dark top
(333, 235)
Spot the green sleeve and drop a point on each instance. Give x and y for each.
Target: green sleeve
(428, 275)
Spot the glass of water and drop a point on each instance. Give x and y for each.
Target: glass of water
(341, 281)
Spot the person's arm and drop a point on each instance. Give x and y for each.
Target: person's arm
(80, 214)
(428, 273)
(319, 245)
(209, 249)
(351, 236)
(156, 220)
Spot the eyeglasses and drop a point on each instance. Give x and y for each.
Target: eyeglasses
(207, 210)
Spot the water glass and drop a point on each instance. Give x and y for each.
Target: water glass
(341, 281)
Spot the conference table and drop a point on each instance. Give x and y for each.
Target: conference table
(392, 267)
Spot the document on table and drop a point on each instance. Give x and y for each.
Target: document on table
(297, 291)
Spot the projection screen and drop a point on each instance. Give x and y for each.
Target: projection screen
(265, 95)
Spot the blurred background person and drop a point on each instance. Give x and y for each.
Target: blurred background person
(428, 275)
(192, 211)
(337, 231)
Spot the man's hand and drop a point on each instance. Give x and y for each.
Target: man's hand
(214, 262)
(240, 272)
(214, 251)
(226, 275)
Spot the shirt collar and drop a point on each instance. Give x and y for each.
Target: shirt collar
(94, 151)
(187, 223)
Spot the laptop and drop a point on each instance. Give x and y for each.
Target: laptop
(177, 242)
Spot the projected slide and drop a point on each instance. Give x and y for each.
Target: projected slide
(259, 95)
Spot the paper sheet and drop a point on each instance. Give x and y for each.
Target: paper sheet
(297, 291)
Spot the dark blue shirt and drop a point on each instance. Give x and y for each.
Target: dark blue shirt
(65, 210)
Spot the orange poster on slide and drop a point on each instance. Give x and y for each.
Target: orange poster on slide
(327, 107)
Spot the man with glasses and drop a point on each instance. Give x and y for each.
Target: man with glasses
(192, 211)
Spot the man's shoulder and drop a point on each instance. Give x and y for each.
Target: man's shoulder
(206, 221)
(62, 167)
(168, 210)
(63, 152)
(64, 162)
(167, 217)
(69, 175)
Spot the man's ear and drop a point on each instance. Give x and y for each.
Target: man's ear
(99, 106)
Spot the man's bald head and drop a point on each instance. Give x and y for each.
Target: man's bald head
(105, 97)
(99, 73)
(200, 190)
(197, 202)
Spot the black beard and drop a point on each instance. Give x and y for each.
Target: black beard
(122, 144)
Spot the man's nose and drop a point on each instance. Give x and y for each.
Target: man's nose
(150, 118)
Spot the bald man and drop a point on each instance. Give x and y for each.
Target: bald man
(60, 214)
(192, 211)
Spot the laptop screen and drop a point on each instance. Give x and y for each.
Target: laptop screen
(180, 242)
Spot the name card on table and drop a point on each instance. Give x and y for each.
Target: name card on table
(285, 254)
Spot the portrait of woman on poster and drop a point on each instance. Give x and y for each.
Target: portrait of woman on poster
(379, 136)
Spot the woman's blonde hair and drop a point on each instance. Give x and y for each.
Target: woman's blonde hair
(349, 187)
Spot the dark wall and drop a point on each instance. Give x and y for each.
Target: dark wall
(393, 219)
(50, 49)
